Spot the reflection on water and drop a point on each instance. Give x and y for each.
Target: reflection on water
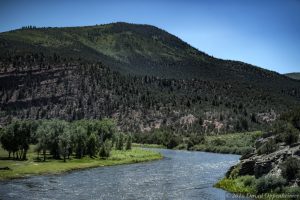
(181, 175)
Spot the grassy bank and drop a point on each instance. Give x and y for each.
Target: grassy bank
(241, 185)
(18, 169)
(236, 143)
(273, 189)
(148, 145)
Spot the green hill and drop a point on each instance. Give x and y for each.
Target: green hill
(294, 75)
(135, 49)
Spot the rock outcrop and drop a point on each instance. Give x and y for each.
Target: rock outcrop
(268, 163)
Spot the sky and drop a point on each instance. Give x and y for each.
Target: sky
(265, 33)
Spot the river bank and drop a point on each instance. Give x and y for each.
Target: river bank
(232, 143)
(21, 169)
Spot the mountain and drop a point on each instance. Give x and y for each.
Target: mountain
(135, 49)
(295, 75)
(140, 75)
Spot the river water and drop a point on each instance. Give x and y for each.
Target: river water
(180, 175)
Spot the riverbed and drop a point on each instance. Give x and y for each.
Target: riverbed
(180, 175)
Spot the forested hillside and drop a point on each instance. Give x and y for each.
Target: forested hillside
(140, 75)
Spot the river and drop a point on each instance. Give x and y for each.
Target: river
(180, 175)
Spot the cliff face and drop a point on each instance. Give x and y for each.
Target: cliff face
(268, 164)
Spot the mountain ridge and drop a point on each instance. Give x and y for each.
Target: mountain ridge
(114, 52)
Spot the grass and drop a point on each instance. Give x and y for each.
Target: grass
(235, 143)
(19, 169)
(246, 186)
(236, 185)
(148, 145)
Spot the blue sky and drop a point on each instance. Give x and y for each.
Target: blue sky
(260, 32)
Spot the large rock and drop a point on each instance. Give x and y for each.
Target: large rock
(262, 168)
(247, 167)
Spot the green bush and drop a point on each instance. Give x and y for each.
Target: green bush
(197, 139)
(173, 142)
(293, 192)
(245, 150)
(218, 142)
(286, 132)
(291, 168)
(235, 172)
(269, 183)
(182, 147)
(269, 147)
(249, 181)
(291, 137)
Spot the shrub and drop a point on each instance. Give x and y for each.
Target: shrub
(291, 137)
(235, 172)
(249, 180)
(173, 142)
(269, 183)
(286, 133)
(189, 145)
(197, 139)
(293, 192)
(269, 147)
(245, 150)
(218, 142)
(182, 146)
(291, 168)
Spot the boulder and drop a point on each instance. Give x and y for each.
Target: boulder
(247, 167)
(261, 168)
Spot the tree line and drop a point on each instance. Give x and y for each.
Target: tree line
(63, 139)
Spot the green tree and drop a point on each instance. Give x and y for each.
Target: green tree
(105, 149)
(105, 129)
(92, 144)
(43, 135)
(25, 135)
(65, 143)
(80, 139)
(7, 141)
(120, 142)
(128, 142)
(16, 138)
(57, 127)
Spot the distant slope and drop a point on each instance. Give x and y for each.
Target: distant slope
(295, 75)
